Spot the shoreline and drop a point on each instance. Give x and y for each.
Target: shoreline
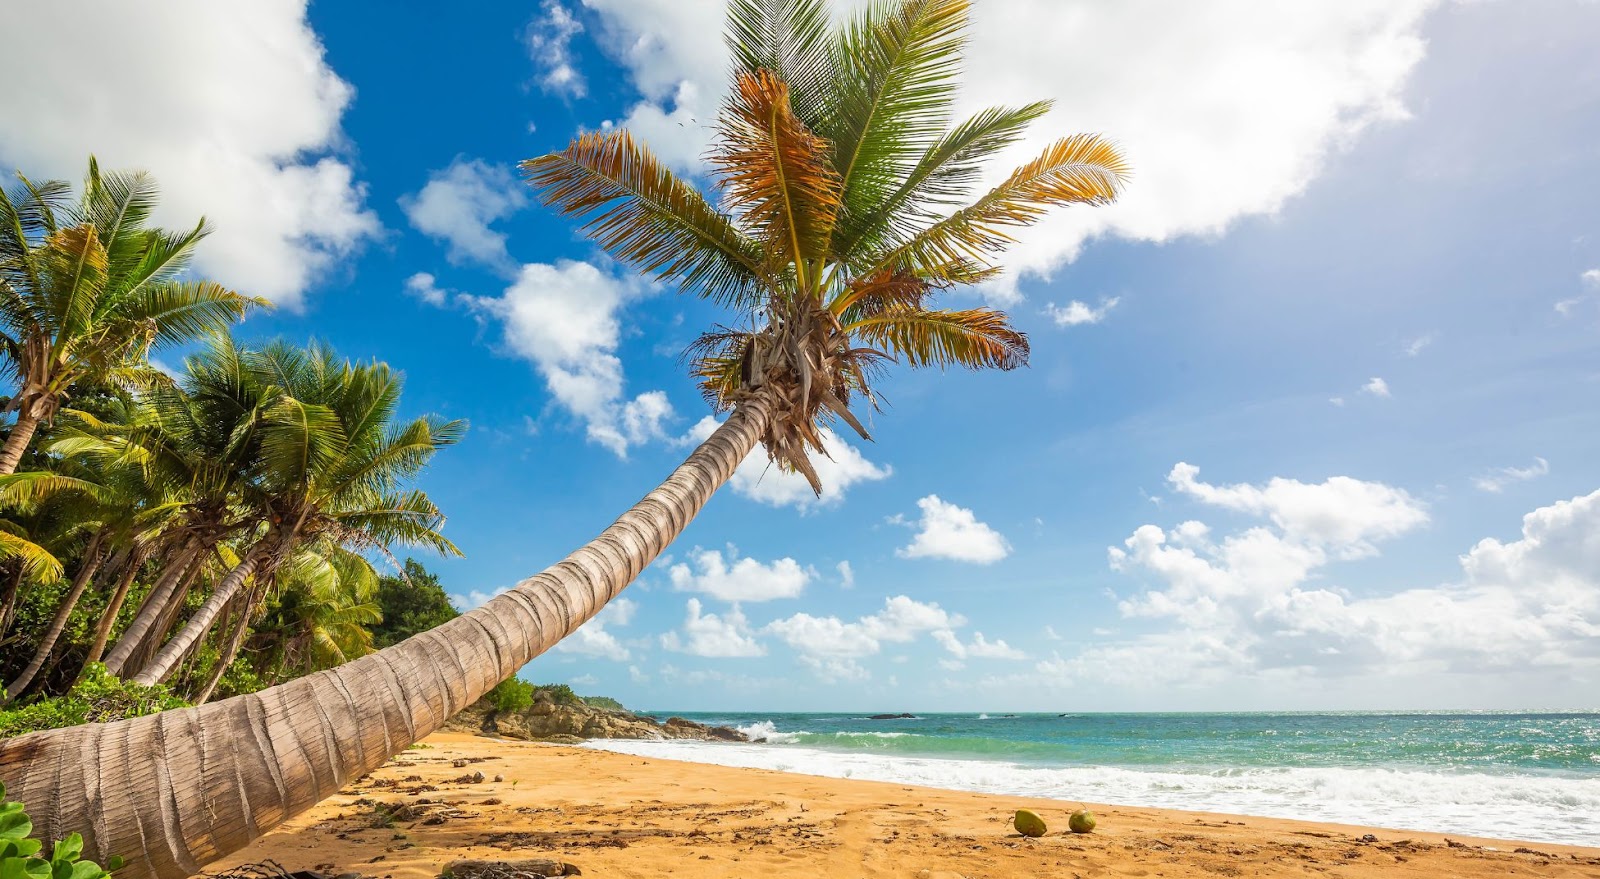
(614, 814)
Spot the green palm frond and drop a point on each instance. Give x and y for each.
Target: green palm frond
(790, 38)
(942, 176)
(181, 310)
(1083, 169)
(643, 215)
(899, 65)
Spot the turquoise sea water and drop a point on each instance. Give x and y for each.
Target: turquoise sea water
(1460, 772)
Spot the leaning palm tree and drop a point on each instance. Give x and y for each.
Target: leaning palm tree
(87, 289)
(844, 209)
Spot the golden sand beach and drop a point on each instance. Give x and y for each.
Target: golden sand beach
(615, 815)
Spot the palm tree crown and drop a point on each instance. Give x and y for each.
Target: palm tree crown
(845, 207)
(87, 289)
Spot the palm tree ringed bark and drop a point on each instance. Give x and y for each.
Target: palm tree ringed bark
(171, 792)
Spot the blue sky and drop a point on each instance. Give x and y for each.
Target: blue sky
(1355, 282)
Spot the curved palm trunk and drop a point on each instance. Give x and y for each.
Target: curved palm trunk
(173, 791)
(108, 618)
(238, 631)
(17, 442)
(152, 610)
(47, 643)
(166, 661)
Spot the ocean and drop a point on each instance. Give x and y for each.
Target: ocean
(1496, 774)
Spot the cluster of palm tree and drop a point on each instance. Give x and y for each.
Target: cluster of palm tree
(161, 525)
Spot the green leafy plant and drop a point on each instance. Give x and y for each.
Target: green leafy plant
(20, 854)
(99, 697)
(511, 696)
(561, 694)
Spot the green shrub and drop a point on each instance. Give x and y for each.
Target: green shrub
(19, 852)
(511, 696)
(605, 702)
(100, 697)
(561, 694)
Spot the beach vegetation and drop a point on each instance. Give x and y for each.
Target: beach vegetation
(97, 697)
(22, 856)
(511, 696)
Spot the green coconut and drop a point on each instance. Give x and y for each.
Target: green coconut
(1082, 821)
(1028, 823)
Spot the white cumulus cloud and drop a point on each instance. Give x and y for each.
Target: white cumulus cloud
(760, 480)
(947, 531)
(457, 206)
(1249, 605)
(745, 579)
(901, 621)
(593, 638)
(1340, 512)
(1076, 313)
(711, 635)
(231, 107)
(426, 288)
(549, 37)
(1186, 88)
(1377, 387)
(979, 648)
(563, 318)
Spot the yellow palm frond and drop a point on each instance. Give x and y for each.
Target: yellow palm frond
(1082, 169)
(75, 263)
(36, 561)
(975, 338)
(644, 215)
(777, 175)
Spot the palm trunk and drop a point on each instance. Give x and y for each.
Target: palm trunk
(47, 643)
(236, 635)
(166, 660)
(8, 598)
(174, 791)
(164, 623)
(108, 619)
(153, 608)
(17, 442)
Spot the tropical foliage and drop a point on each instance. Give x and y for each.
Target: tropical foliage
(214, 532)
(22, 855)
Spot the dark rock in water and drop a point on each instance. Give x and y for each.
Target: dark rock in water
(679, 728)
(893, 717)
(566, 723)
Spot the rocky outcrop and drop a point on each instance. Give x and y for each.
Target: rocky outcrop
(567, 723)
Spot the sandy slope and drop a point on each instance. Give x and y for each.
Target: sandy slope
(623, 816)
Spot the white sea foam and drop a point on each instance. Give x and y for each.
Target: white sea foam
(766, 730)
(1561, 810)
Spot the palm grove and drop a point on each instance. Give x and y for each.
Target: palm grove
(212, 532)
(846, 199)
